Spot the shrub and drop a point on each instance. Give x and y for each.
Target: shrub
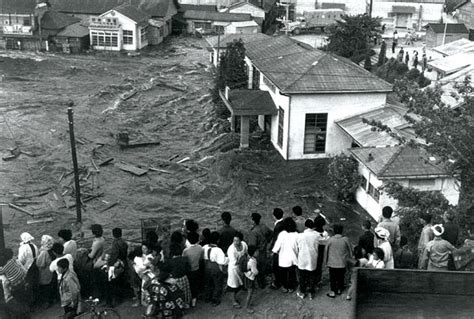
(343, 177)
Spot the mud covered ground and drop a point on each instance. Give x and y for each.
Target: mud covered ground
(161, 95)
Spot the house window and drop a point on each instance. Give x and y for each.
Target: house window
(143, 32)
(269, 84)
(104, 39)
(363, 183)
(127, 37)
(281, 125)
(374, 192)
(315, 133)
(202, 25)
(26, 22)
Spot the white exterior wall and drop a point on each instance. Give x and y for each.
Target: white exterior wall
(430, 12)
(250, 9)
(447, 186)
(338, 106)
(233, 29)
(352, 6)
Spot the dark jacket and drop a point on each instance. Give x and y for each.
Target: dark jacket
(118, 251)
(226, 237)
(366, 241)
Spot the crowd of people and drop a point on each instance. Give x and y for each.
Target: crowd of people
(167, 276)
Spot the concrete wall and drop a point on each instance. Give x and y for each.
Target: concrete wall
(427, 12)
(447, 186)
(338, 106)
(232, 29)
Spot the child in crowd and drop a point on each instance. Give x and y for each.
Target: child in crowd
(376, 259)
(194, 254)
(361, 261)
(250, 275)
(403, 257)
(179, 269)
(69, 289)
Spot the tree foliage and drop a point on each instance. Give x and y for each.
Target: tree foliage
(412, 205)
(351, 35)
(383, 54)
(344, 177)
(368, 63)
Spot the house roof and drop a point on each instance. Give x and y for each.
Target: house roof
(398, 162)
(458, 46)
(453, 63)
(403, 9)
(450, 27)
(216, 16)
(17, 6)
(250, 102)
(205, 7)
(229, 38)
(76, 30)
(155, 8)
(362, 133)
(298, 69)
(462, 3)
(53, 20)
(326, 5)
(241, 4)
(132, 13)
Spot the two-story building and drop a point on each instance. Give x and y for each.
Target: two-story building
(257, 13)
(122, 28)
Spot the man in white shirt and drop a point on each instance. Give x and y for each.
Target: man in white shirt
(215, 261)
(58, 251)
(307, 243)
(277, 276)
(70, 246)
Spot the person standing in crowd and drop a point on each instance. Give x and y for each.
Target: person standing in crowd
(58, 252)
(287, 251)
(69, 289)
(407, 58)
(234, 277)
(299, 219)
(319, 224)
(278, 227)
(13, 275)
(425, 237)
(180, 267)
(226, 233)
(140, 267)
(307, 244)
(194, 254)
(214, 261)
(451, 234)
(361, 261)
(382, 236)
(250, 276)
(259, 236)
(403, 257)
(366, 241)
(65, 239)
(190, 226)
(27, 251)
(415, 60)
(106, 275)
(376, 259)
(338, 251)
(424, 62)
(400, 55)
(394, 41)
(118, 255)
(165, 299)
(98, 244)
(390, 225)
(436, 253)
(45, 257)
(205, 237)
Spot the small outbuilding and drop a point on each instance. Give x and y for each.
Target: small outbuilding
(73, 39)
(441, 33)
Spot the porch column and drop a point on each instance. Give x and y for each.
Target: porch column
(244, 131)
(250, 84)
(232, 123)
(261, 122)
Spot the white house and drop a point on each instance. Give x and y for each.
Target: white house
(350, 6)
(312, 90)
(257, 13)
(121, 28)
(242, 27)
(407, 166)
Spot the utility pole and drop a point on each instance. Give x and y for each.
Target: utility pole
(218, 49)
(371, 2)
(74, 162)
(2, 236)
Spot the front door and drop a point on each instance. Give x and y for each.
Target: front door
(402, 20)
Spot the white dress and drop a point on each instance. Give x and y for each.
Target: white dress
(234, 279)
(388, 258)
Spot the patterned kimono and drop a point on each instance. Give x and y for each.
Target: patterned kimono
(166, 299)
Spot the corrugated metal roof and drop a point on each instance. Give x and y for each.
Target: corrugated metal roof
(398, 162)
(450, 27)
(453, 63)
(296, 68)
(362, 133)
(216, 16)
(251, 102)
(455, 47)
(229, 38)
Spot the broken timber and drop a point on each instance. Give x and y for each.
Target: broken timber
(108, 207)
(131, 169)
(107, 161)
(21, 209)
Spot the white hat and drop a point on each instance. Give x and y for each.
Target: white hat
(438, 230)
(26, 237)
(382, 233)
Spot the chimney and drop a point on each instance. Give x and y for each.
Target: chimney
(370, 158)
(226, 92)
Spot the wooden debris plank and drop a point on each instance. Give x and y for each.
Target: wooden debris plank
(39, 220)
(106, 162)
(95, 166)
(20, 209)
(183, 160)
(173, 157)
(108, 207)
(131, 169)
(151, 168)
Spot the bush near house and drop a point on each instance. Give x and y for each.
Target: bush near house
(343, 177)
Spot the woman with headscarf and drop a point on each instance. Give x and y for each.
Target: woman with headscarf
(45, 257)
(27, 251)
(382, 241)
